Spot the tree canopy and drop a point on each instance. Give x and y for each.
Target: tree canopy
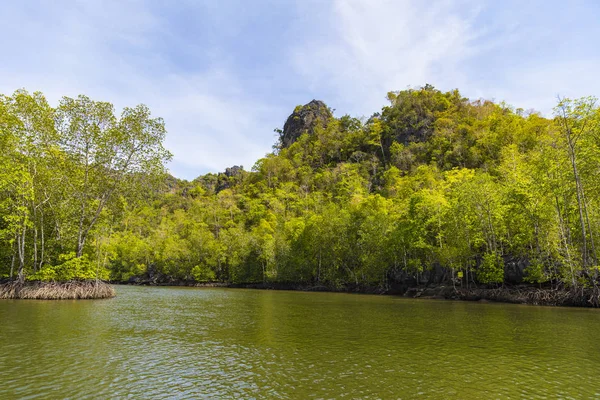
(433, 187)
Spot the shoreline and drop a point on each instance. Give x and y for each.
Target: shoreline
(71, 290)
(519, 294)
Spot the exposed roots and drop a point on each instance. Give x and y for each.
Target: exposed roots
(56, 290)
(589, 297)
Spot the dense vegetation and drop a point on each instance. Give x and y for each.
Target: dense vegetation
(433, 187)
(65, 175)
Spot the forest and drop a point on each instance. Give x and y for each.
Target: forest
(433, 187)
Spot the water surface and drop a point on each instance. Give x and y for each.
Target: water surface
(235, 343)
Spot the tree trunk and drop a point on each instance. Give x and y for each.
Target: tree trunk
(42, 240)
(578, 189)
(35, 237)
(12, 263)
(21, 248)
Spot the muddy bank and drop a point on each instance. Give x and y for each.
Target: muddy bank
(522, 294)
(518, 294)
(56, 290)
(268, 286)
(169, 282)
(588, 297)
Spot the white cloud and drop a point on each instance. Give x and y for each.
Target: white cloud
(372, 47)
(106, 51)
(510, 52)
(538, 87)
(223, 78)
(213, 121)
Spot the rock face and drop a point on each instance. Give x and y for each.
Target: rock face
(304, 119)
(233, 171)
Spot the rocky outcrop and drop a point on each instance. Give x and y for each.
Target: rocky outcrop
(234, 171)
(305, 119)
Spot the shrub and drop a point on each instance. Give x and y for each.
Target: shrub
(72, 268)
(202, 273)
(491, 269)
(535, 272)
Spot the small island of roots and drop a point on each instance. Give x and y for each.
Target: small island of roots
(56, 290)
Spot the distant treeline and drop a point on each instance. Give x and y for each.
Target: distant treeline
(432, 187)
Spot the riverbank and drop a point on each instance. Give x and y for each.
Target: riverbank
(520, 294)
(56, 290)
(517, 295)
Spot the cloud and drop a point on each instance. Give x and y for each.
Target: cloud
(224, 76)
(214, 122)
(370, 48)
(119, 52)
(538, 87)
(522, 53)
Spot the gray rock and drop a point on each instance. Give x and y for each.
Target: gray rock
(233, 171)
(304, 119)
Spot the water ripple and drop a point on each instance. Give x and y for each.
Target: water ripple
(215, 343)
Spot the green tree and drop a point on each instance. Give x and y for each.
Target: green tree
(105, 155)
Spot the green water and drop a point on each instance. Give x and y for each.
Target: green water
(234, 343)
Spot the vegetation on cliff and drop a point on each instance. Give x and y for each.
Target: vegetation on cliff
(434, 187)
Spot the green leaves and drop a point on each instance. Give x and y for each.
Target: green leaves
(491, 269)
(71, 268)
(432, 186)
(433, 183)
(66, 171)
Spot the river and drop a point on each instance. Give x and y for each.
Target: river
(153, 342)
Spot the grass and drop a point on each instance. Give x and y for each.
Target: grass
(56, 290)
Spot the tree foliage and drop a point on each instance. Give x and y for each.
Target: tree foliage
(433, 187)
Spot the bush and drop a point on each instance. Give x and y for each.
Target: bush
(72, 268)
(535, 272)
(202, 273)
(491, 269)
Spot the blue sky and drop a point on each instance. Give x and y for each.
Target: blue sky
(223, 74)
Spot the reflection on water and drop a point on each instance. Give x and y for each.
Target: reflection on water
(234, 343)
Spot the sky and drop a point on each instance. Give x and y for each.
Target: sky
(225, 73)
